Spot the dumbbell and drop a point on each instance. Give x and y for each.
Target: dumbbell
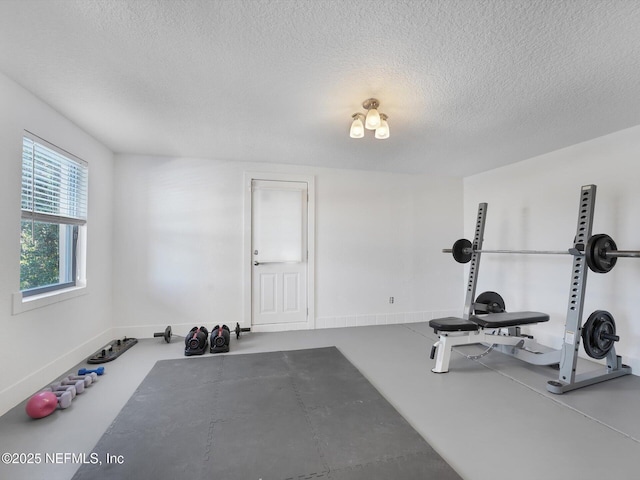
(64, 398)
(89, 378)
(97, 371)
(58, 387)
(79, 384)
(166, 334)
(220, 337)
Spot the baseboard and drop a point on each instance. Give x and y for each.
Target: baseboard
(382, 318)
(14, 394)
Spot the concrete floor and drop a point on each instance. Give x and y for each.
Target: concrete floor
(490, 419)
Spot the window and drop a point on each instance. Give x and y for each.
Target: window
(54, 216)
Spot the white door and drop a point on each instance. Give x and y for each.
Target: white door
(279, 250)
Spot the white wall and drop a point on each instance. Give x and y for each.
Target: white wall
(38, 345)
(381, 235)
(179, 255)
(534, 205)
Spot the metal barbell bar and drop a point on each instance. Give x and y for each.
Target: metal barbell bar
(463, 249)
(523, 252)
(622, 253)
(601, 252)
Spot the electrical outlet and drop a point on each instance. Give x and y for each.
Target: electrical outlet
(391, 299)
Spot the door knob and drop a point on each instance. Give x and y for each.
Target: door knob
(256, 263)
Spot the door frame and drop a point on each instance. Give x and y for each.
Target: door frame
(247, 255)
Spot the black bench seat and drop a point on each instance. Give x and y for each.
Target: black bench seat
(492, 320)
(509, 319)
(452, 324)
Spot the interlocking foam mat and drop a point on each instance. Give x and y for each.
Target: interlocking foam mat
(304, 414)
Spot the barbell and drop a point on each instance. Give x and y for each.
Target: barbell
(601, 252)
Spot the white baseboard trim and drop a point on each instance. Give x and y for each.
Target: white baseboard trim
(382, 318)
(13, 394)
(280, 327)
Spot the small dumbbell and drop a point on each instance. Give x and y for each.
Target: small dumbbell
(87, 379)
(166, 334)
(92, 375)
(97, 371)
(64, 398)
(79, 384)
(58, 387)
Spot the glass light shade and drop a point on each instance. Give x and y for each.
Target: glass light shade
(373, 119)
(357, 129)
(382, 131)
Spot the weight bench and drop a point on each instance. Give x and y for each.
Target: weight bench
(500, 331)
(485, 321)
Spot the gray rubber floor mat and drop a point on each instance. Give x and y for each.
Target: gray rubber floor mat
(292, 415)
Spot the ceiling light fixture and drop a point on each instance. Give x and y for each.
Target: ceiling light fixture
(373, 120)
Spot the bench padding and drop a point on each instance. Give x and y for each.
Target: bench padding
(452, 324)
(509, 319)
(492, 320)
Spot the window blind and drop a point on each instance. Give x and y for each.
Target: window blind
(54, 183)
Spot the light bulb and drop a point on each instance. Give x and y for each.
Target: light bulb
(373, 119)
(382, 131)
(357, 129)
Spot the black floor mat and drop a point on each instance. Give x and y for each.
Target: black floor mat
(304, 414)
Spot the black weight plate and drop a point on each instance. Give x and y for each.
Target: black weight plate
(597, 246)
(461, 251)
(599, 322)
(167, 334)
(237, 331)
(493, 301)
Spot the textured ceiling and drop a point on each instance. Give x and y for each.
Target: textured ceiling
(468, 85)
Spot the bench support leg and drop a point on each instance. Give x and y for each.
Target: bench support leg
(443, 356)
(445, 344)
(520, 346)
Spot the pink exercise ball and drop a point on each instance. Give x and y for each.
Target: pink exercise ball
(41, 404)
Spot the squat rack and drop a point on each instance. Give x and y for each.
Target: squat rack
(586, 253)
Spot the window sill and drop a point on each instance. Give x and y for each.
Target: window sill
(25, 304)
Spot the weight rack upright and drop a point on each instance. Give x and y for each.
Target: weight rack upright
(568, 379)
